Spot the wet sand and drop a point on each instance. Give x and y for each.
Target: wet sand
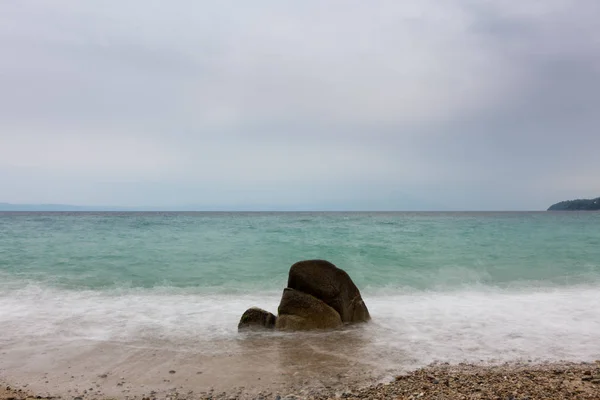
(509, 381)
(342, 364)
(247, 368)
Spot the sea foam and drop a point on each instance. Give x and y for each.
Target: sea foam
(409, 329)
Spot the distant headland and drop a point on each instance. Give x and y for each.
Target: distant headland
(577, 205)
(54, 207)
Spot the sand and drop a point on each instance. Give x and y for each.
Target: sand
(254, 366)
(515, 381)
(311, 366)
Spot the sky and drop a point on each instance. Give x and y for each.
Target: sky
(311, 105)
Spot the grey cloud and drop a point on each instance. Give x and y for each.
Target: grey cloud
(488, 104)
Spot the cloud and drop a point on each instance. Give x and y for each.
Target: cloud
(477, 104)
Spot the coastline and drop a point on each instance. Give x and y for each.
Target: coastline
(516, 381)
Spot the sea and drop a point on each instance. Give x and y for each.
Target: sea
(143, 292)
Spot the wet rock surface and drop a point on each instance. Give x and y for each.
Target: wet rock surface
(332, 285)
(256, 319)
(319, 295)
(300, 311)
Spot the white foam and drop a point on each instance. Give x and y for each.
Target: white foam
(36, 312)
(412, 329)
(491, 325)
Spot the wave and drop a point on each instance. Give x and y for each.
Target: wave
(247, 280)
(478, 323)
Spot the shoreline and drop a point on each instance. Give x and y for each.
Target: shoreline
(515, 381)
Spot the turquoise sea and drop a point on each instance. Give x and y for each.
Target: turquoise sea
(440, 286)
(251, 252)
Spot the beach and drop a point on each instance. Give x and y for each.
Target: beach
(517, 381)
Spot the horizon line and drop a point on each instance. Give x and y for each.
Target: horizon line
(59, 207)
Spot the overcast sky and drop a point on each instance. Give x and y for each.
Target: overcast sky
(340, 104)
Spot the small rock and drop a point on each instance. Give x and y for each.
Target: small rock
(172, 371)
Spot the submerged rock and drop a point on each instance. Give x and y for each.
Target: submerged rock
(256, 318)
(299, 311)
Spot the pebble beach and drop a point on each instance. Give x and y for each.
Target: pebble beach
(515, 381)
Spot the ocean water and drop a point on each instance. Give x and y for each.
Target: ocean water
(449, 287)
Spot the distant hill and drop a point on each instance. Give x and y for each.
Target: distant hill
(53, 207)
(575, 205)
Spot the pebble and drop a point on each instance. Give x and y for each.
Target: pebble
(506, 382)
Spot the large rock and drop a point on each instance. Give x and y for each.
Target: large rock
(326, 282)
(319, 296)
(256, 318)
(300, 311)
